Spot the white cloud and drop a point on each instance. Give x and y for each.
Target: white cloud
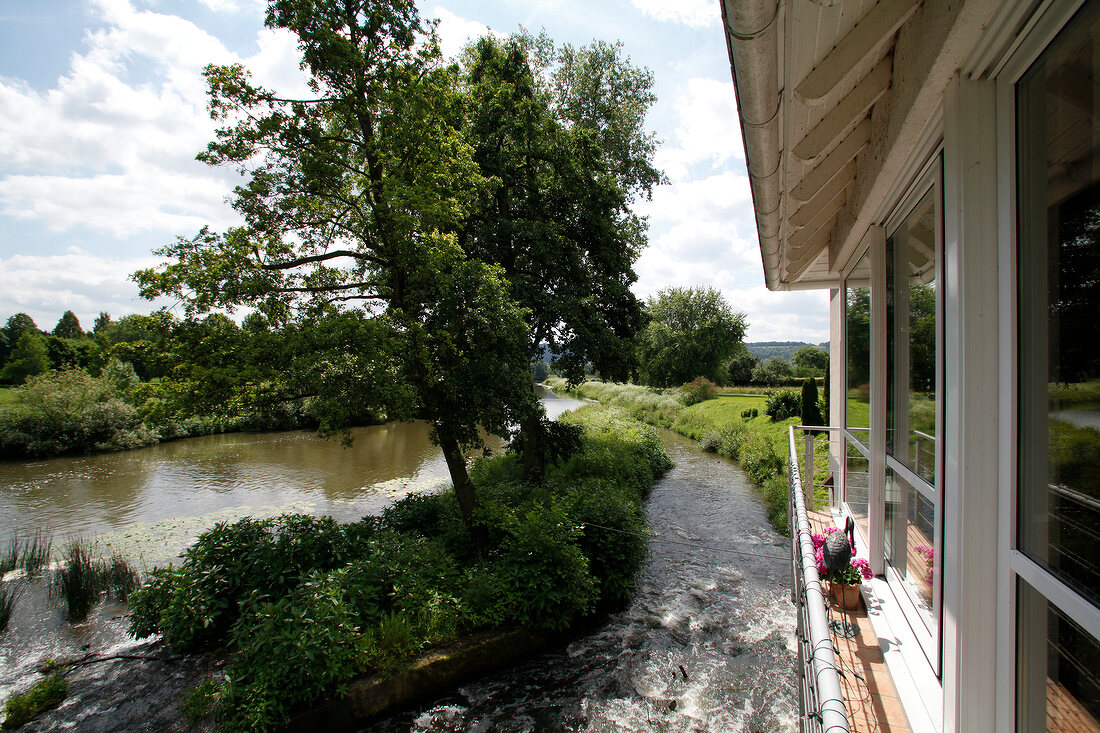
(693, 13)
(45, 287)
(111, 147)
(455, 32)
(707, 130)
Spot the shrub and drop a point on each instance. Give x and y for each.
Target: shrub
(291, 650)
(782, 404)
(44, 694)
(542, 573)
(757, 456)
(811, 412)
(698, 390)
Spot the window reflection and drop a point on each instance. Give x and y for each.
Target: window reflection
(1059, 300)
(858, 345)
(911, 310)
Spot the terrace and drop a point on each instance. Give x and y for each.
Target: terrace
(845, 682)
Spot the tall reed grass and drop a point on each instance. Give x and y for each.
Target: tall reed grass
(34, 553)
(81, 579)
(9, 592)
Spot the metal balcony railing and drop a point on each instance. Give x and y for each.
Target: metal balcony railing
(821, 699)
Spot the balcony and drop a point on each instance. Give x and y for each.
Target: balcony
(844, 682)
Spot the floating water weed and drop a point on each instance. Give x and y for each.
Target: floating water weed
(78, 581)
(9, 592)
(34, 555)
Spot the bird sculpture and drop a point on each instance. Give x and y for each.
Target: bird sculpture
(837, 552)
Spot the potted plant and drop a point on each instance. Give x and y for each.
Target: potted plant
(843, 584)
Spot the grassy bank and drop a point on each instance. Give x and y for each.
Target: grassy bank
(304, 605)
(758, 444)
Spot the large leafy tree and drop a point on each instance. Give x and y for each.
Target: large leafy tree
(352, 200)
(561, 135)
(692, 332)
(68, 327)
(27, 359)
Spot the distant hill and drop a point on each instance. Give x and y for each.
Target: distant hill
(765, 350)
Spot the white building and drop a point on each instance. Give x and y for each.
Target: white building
(936, 166)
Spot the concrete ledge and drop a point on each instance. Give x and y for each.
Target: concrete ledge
(438, 670)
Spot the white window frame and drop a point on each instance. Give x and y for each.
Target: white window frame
(1033, 40)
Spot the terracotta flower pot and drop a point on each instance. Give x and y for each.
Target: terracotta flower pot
(845, 596)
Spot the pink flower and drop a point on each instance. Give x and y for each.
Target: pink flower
(818, 539)
(863, 567)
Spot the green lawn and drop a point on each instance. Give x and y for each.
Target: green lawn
(7, 396)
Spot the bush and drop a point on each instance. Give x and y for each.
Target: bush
(698, 390)
(313, 634)
(307, 604)
(44, 694)
(811, 412)
(757, 456)
(782, 404)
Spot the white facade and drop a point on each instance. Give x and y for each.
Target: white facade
(936, 166)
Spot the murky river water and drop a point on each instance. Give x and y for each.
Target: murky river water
(706, 643)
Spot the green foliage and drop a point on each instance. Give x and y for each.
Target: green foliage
(28, 358)
(44, 694)
(741, 365)
(810, 361)
(698, 390)
(773, 372)
(308, 604)
(196, 604)
(692, 331)
(70, 411)
(642, 403)
(561, 132)
(68, 327)
(811, 411)
(782, 404)
(313, 632)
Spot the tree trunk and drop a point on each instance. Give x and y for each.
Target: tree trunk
(464, 490)
(533, 464)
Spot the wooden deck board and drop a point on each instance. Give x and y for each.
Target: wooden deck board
(869, 693)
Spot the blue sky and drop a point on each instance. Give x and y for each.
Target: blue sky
(102, 110)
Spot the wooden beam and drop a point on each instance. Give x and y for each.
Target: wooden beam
(799, 261)
(872, 30)
(805, 213)
(847, 112)
(834, 162)
(824, 215)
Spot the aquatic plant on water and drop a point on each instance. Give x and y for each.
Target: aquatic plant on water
(76, 581)
(9, 556)
(34, 552)
(9, 592)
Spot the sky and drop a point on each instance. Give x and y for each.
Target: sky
(103, 109)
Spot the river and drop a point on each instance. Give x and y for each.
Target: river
(706, 643)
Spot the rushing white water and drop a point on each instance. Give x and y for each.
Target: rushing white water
(706, 644)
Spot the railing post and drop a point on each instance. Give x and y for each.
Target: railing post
(808, 474)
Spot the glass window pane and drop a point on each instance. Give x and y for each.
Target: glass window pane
(1057, 670)
(911, 363)
(856, 485)
(858, 345)
(1058, 128)
(911, 544)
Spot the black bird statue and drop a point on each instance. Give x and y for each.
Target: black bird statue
(837, 552)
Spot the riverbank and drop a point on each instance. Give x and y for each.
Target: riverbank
(382, 590)
(734, 426)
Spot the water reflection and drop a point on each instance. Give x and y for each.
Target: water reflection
(188, 478)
